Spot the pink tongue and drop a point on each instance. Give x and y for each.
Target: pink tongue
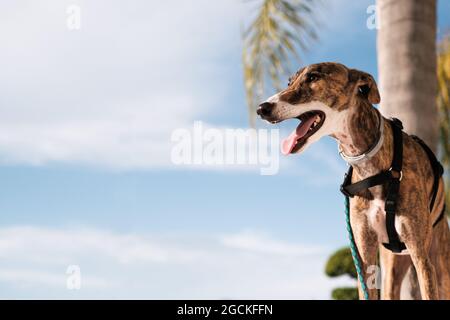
(288, 144)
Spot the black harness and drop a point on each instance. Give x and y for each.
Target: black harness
(392, 178)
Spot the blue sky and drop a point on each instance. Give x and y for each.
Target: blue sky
(85, 156)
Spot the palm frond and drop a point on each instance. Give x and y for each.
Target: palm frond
(444, 108)
(279, 32)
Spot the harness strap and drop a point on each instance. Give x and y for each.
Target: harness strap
(390, 206)
(351, 189)
(393, 187)
(438, 169)
(392, 182)
(441, 216)
(397, 158)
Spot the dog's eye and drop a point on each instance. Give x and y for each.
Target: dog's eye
(312, 77)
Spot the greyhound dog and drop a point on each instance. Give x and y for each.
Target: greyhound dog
(330, 99)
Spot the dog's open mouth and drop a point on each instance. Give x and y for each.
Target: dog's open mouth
(310, 123)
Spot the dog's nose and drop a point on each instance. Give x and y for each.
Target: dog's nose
(265, 109)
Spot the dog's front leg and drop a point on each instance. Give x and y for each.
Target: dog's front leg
(394, 269)
(426, 273)
(367, 244)
(418, 241)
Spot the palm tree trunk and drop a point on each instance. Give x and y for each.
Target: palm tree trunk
(407, 75)
(407, 65)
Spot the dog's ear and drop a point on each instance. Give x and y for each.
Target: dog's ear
(365, 85)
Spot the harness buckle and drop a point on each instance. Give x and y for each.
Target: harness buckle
(400, 174)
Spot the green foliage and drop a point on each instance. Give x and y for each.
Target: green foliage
(444, 108)
(345, 294)
(280, 30)
(341, 263)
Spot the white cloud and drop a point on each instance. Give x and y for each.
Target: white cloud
(259, 242)
(111, 93)
(247, 264)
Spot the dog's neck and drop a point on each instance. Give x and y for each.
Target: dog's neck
(360, 132)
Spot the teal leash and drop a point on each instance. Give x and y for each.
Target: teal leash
(354, 250)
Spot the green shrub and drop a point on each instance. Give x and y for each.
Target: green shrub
(345, 294)
(340, 263)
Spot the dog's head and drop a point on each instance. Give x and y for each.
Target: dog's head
(320, 96)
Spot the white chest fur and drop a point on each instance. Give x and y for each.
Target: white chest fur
(377, 221)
